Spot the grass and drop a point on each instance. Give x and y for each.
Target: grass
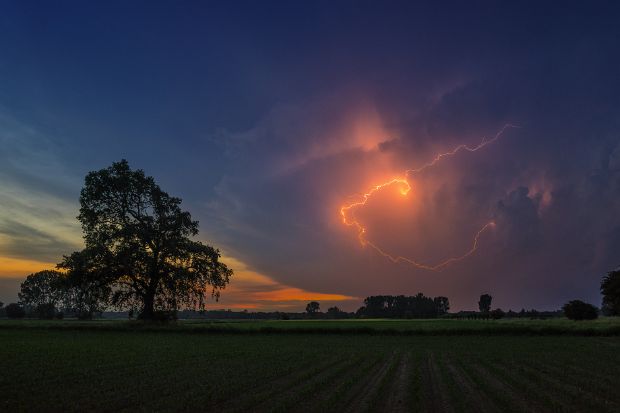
(604, 326)
(118, 369)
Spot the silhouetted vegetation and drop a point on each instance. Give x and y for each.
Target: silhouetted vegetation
(46, 311)
(401, 306)
(14, 310)
(484, 304)
(42, 291)
(497, 314)
(313, 308)
(610, 288)
(335, 313)
(138, 248)
(578, 310)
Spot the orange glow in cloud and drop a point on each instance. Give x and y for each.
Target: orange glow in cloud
(253, 290)
(347, 211)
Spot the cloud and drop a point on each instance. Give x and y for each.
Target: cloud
(38, 197)
(552, 187)
(252, 290)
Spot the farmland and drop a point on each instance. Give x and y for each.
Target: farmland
(115, 369)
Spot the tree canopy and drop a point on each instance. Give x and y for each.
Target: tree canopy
(610, 288)
(313, 307)
(41, 288)
(578, 310)
(401, 306)
(484, 304)
(138, 242)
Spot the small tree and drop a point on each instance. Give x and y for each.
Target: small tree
(484, 304)
(610, 288)
(14, 310)
(578, 310)
(42, 291)
(312, 308)
(335, 312)
(442, 304)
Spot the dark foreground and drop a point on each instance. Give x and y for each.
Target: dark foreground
(76, 370)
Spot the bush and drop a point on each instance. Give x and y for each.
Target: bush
(45, 311)
(161, 316)
(497, 314)
(578, 310)
(14, 311)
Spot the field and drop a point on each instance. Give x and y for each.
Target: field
(108, 366)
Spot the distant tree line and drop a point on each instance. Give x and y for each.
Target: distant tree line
(402, 306)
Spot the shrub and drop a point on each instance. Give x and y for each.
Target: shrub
(45, 311)
(578, 310)
(14, 311)
(497, 314)
(161, 316)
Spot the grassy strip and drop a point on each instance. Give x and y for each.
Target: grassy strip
(490, 330)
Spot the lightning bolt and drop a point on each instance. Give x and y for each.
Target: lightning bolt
(347, 212)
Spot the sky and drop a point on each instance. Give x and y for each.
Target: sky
(267, 118)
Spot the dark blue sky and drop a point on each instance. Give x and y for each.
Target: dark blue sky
(266, 116)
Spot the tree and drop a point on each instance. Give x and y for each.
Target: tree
(442, 304)
(610, 288)
(335, 312)
(497, 314)
(41, 290)
(138, 242)
(14, 310)
(312, 308)
(578, 310)
(86, 291)
(485, 303)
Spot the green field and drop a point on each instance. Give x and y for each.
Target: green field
(557, 326)
(64, 368)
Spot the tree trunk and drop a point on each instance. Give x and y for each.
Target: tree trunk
(149, 303)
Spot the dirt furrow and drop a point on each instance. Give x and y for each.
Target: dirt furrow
(435, 393)
(361, 395)
(532, 389)
(473, 395)
(255, 396)
(517, 400)
(398, 396)
(559, 384)
(315, 391)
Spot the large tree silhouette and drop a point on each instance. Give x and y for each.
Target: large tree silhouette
(610, 288)
(138, 241)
